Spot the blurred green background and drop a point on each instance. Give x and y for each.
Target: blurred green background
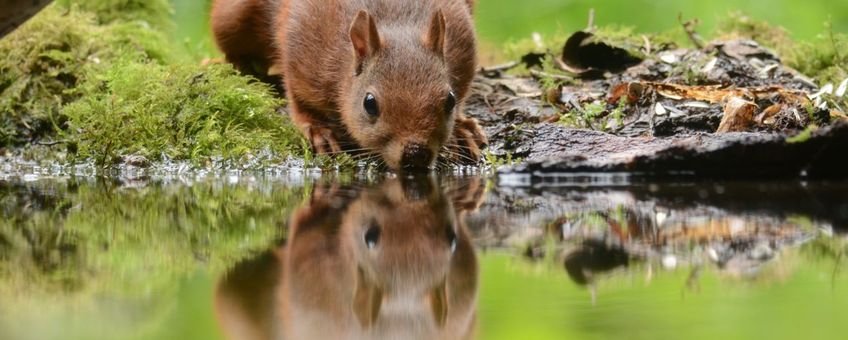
(501, 21)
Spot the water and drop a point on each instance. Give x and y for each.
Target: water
(264, 256)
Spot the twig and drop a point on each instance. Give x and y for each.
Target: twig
(562, 66)
(689, 27)
(51, 143)
(591, 26)
(652, 114)
(499, 68)
(647, 44)
(833, 40)
(540, 74)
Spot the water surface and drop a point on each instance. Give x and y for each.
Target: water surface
(262, 256)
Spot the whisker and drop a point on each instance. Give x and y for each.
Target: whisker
(347, 151)
(459, 155)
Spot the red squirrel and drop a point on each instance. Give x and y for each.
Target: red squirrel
(393, 261)
(385, 79)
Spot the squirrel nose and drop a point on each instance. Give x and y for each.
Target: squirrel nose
(416, 157)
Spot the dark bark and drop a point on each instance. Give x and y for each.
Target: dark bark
(13, 13)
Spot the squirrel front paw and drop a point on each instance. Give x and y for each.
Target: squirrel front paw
(467, 194)
(322, 140)
(467, 142)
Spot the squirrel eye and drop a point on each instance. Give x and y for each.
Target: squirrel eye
(371, 106)
(372, 236)
(452, 239)
(450, 104)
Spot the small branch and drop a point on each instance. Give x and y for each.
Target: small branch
(51, 143)
(689, 27)
(499, 68)
(647, 44)
(591, 26)
(540, 74)
(833, 40)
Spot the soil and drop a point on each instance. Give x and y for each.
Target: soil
(732, 112)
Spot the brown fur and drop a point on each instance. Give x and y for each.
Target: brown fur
(331, 285)
(242, 30)
(333, 52)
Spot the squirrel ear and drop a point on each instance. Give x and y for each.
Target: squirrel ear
(367, 300)
(439, 303)
(435, 39)
(364, 36)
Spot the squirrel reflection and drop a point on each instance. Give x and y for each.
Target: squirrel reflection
(389, 262)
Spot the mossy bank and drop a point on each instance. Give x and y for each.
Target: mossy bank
(95, 81)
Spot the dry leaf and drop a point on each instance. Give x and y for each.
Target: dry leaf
(738, 115)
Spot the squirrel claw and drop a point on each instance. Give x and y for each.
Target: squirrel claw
(467, 142)
(322, 140)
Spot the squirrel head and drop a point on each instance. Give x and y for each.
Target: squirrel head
(400, 104)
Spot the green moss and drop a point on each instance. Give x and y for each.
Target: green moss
(570, 119)
(114, 87)
(803, 136)
(137, 41)
(496, 161)
(43, 63)
(619, 112)
(585, 117)
(181, 111)
(156, 13)
(825, 58)
(737, 25)
(624, 37)
(550, 44)
(627, 38)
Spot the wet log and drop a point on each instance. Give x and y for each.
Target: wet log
(727, 155)
(13, 13)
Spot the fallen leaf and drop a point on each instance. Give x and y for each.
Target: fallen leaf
(743, 49)
(669, 58)
(582, 51)
(767, 116)
(842, 88)
(697, 104)
(826, 89)
(660, 110)
(633, 91)
(738, 115)
(710, 65)
(717, 94)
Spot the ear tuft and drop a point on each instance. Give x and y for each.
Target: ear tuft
(435, 39)
(364, 37)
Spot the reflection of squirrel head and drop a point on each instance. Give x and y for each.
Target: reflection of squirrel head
(406, 259)
(403, 237)
(392, 261)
